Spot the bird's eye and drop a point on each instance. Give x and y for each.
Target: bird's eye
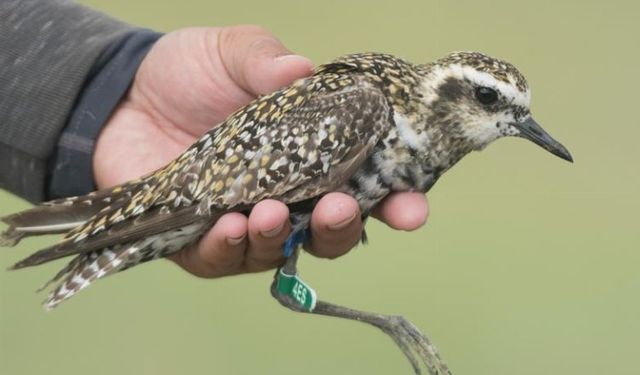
(486, 95)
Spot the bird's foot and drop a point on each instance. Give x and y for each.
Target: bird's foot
(294, 294)
(415, 345)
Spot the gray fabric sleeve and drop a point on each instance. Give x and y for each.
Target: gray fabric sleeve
(71, 165)
(47, 50)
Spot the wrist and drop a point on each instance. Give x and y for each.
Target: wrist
(71, 169)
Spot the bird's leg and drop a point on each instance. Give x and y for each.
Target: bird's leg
(292, 293)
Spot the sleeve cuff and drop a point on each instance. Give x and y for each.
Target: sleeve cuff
(71, 167)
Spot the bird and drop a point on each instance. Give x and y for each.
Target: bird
(365, 124)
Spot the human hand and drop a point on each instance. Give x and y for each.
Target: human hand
(193, 79)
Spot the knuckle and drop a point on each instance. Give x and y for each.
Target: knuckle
(232, 37)
(252, 264)
(333, 248)
(227, 37)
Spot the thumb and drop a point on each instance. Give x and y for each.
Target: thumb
(257, 61)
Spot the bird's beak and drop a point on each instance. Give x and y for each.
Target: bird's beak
(531, 130)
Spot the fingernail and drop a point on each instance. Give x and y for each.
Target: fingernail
(272, 232)
(233, 241)
(343, 224)
(292, 58)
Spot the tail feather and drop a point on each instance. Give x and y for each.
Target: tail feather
(40, 220)
(61, 215)
(10, 237)
(90, 267)
(72, 265)
(107, 233)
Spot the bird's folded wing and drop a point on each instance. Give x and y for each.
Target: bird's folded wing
(310, 148)
(152, 222)
(296, 152)
(62, 215)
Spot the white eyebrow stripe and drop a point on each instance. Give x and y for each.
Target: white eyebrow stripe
(486, 79)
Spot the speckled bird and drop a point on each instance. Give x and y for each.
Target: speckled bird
(365, 124)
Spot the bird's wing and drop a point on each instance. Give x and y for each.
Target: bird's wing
(62, 215)
(151, 222)
(312, 148)
(291, 145)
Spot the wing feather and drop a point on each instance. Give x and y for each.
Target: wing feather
(152, 222)
(295, 144)
(304, 153)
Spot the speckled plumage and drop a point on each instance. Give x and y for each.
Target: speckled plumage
(365, 124)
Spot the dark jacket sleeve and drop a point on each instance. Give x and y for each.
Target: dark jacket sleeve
(71, 165)
(47, 51)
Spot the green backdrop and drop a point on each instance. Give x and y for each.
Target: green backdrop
(528, 265)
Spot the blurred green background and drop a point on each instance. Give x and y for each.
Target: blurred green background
(529, 265)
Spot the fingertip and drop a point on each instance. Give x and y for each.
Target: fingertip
(230, 228)
(336, 226)
(300, 64)
(268, 230)
(268, 217)
(404, 211)
(220, 251)
(272, 73)
(335, 211)
(257, 61)
(292, 67)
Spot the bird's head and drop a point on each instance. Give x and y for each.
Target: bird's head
(483, 99)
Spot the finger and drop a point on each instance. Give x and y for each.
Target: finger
(403, 211)
(221, 250)
(268, 229)
(257, 61)
(336, 225)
